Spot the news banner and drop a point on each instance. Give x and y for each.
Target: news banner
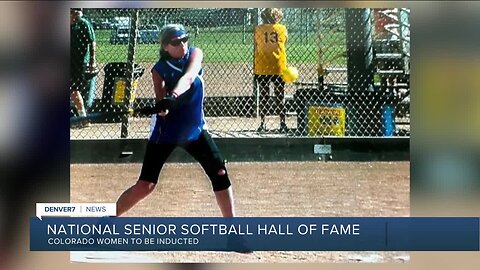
(94, 227)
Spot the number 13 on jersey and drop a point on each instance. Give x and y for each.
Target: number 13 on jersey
(271, 37)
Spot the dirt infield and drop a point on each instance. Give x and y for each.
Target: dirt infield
(315, 189)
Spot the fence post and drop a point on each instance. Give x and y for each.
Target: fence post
(245, 19)
(358, 23)
(130, 70)
(307, 21)
(256, 20)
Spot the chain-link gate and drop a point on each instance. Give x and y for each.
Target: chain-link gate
(353, 72)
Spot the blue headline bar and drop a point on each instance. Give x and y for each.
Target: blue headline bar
(255, 234)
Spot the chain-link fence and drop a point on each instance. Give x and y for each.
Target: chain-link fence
(353, 72)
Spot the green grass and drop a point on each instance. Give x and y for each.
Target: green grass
(218, 47)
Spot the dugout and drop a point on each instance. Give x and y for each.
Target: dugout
(346, 100)
(116, 96)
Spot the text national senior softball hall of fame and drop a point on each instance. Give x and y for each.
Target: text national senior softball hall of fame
(90, 227)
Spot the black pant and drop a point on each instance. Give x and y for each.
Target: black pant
(204, 150)
(263, 82)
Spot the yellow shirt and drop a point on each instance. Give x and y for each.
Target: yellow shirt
(270, 54)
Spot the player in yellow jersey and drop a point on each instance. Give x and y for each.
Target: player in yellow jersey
(270, 60)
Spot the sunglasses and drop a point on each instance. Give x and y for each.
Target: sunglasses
(177, 42)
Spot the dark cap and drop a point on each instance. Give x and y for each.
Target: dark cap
(76, 9)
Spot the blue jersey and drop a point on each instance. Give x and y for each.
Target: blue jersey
(186, 122)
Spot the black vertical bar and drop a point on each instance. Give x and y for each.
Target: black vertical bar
(256, 21)
(362, 112)
(130, 70)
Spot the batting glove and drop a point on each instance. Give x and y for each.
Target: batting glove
(168, 102)
(149, 110)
